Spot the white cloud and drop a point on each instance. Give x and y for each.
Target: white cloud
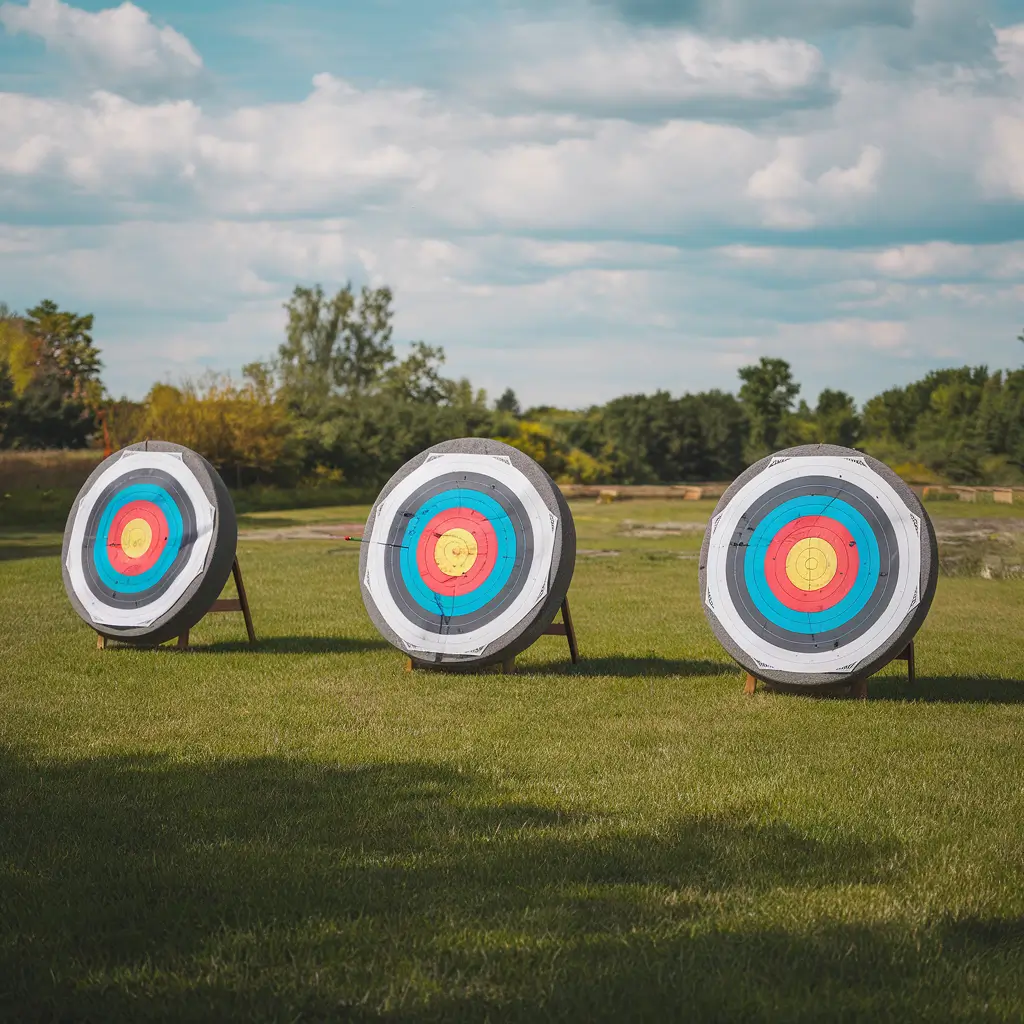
(890, 155)
(1009, 49)
(791, 201)
(1003, 170)
(596, 242)
(117, 46)
(174, 298)
(604, 70)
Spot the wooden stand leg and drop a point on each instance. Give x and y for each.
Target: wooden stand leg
(243, 601)
(508, 666)
(859, 690)
(750, 686)
(101, 641)
(565, 628)
(911, 669)
(570, 632)
(227, 604)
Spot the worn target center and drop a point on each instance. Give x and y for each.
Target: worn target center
(455, 552)
(136, 538)
(811, 563)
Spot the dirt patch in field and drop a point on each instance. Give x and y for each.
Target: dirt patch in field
(653, 531)
(990, 548)
(322, 531)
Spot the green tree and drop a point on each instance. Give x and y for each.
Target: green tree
(508, 403)
(53, 369)
(6, 403)
(836, 418)
(334, 345)
(767, 395)
(65, 349)
(417, 378)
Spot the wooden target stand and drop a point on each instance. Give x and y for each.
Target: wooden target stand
(858, 690)
(508, 665)
(224, 604)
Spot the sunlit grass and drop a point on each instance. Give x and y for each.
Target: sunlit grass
(306, 832)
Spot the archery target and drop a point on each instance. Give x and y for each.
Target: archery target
(818, 565)
(467, 553)
(149, 542)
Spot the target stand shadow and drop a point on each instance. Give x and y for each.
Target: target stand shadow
(858, 689)
(508, 665)
(224, 604)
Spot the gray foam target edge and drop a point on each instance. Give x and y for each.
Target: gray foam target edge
(563, 560)
(198, 597)
(904, 632)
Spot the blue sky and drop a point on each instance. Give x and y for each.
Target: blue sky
(575, 199)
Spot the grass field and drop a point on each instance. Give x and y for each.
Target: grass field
(308, 833)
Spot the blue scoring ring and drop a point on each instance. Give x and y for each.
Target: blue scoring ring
(117, 581)
(867, 574)
(463, 604)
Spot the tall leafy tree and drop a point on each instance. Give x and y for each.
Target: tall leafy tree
(53, 369)
(508, 403)
(767, 395)
(335, 345)
(65, 351)
(836, 418)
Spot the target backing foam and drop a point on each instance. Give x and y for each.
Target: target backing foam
(149, 543)
(818, 566)
(467, 554)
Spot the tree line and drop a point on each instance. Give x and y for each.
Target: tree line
(337, 403)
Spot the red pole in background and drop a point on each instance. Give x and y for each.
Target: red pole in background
(107, 450)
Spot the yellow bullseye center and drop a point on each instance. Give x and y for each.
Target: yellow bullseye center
(136, 538)
(811, 563)
(455, 552)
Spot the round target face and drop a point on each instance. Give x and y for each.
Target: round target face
(467, 553)
(819, 564)
(147, 540)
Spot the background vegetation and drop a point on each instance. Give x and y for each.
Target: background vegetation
(337, 406)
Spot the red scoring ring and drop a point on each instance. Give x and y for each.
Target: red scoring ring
(154, 517)
(847, 563)
(475, 523)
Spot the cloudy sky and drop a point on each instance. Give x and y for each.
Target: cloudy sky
(577, 199)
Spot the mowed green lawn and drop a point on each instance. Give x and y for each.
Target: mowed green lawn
(306, 832)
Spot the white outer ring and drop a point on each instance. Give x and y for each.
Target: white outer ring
(542, 520)
(906, 526)
(172, 464)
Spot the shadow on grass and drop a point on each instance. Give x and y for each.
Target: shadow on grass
(948, 689)
(267, 645)
(626, 666)
(296, 645)
(139, 888)
(12, 552)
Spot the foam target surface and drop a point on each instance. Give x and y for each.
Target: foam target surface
(467, 553)
(150, 537)
(819, 564)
